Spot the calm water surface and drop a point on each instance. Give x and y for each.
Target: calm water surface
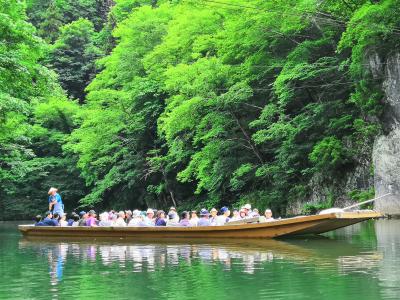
(358, 262)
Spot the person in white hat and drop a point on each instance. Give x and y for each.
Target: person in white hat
(55, 203)
(247, 208)
(267, 217)
(173, 211)
(149, 219)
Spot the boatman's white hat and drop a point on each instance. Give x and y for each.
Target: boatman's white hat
(51, 190)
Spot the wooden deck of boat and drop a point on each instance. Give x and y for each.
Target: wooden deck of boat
(314, 224)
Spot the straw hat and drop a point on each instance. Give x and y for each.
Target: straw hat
(51, 190)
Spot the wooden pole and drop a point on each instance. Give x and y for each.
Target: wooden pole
(365, 202)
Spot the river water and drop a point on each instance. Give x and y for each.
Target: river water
(358, 262)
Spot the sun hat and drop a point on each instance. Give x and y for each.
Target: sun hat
(204, 212)
(213, 210)
(247, 206)
(82, 213)
(172, 208)
(52, 189)
(92, 212)
(224, 209)
(149, 211)
(136, 213)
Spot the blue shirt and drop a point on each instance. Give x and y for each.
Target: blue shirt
(203, 222)
(50, 222)
(56, 197)
(58, 206)
(161, 222)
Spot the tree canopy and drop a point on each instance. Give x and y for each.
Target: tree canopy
(190, 103)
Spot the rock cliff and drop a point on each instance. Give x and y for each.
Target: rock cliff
(386, 150)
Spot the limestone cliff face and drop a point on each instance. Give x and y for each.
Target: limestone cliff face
(386, 150)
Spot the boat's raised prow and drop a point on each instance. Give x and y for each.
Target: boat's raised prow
(301, 225)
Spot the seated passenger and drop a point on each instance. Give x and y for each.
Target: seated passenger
(235, 215)
(248, 211)
(71, 219)
(83, 216)
(267, 217)
(184, 219)
(255, 213)
(76, 219)
(173, 210)
(104, 219)
(204, 218)
(213, 218)
(142, 221)
(224, 217)
(136, 219)
(172, 219)
(56, 216)
(63, 220)
(49, 221)
(120, 222)
(160, 218)
(113, 218)
(128, 216)
(39, 221)
(243, 214)
(91, 221)
(194, 218)
(149, 219)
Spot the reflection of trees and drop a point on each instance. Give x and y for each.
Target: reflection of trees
(183, 268)
(155, 257)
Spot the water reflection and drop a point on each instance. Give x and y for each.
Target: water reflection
(388, 242)
(247, 256)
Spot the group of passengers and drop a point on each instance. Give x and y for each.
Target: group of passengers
(153, 217)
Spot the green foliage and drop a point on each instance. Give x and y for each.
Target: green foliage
(73, 57)
(195, 104)
(35, 117)
(49, 15)
(328, 153)
(313, 208)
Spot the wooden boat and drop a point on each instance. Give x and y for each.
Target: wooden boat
(302, 225)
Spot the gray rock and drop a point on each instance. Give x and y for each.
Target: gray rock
(386, 151)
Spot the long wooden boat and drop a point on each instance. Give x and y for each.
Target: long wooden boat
(302, 225)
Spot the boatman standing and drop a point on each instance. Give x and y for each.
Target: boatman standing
(55, 202)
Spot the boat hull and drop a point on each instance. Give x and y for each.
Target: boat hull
(280, 228)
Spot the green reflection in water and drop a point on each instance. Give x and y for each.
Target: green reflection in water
(355, 262)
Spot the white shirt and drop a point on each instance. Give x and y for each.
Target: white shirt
(221, 220)
(193, 222)
(120, 222)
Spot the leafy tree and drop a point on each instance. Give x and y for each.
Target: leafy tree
(49, 15)
(73, 57)
(30, 153)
